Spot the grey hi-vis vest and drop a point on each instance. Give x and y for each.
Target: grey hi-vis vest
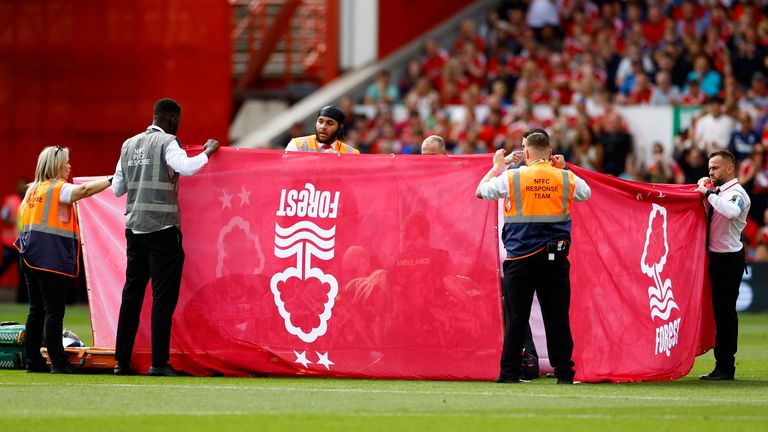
(152, 185)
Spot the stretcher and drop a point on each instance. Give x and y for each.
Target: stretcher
(87, 358)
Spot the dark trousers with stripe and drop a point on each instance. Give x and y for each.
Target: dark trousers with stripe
(45, 321)
(725, 272)
(551, 281)
(158, 256)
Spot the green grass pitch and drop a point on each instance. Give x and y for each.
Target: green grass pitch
(107, 403)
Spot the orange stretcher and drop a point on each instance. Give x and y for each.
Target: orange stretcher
(87, 358)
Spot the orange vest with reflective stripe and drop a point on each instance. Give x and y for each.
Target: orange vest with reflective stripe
(538, 208)
(309, 144)
(50, 233)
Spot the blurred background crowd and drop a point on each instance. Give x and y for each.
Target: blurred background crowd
(568, 66)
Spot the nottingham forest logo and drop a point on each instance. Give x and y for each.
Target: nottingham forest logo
(305, 232)
(661, 299)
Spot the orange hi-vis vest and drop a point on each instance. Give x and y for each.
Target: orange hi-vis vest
(309, 143)
(537, 209)
(50, 233)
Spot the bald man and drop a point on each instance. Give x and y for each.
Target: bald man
(433, 145)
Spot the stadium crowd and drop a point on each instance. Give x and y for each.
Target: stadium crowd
(580, 59)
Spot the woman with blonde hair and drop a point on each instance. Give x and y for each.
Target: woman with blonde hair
(49, 245)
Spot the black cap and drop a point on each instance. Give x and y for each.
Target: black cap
(331, 111)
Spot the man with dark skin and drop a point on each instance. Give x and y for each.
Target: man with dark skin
(148, 171)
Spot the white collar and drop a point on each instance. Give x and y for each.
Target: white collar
(728, 184)
(156, 127)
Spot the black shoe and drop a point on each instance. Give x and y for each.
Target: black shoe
(38, 368)
(507, 380)
(124, 370)
(64, 369)
(564, 381)
(717, 375)
(166, 370)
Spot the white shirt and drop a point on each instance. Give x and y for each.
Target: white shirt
(498, 187)
(731, 207)
(175, 158)
(65, 195)
(715, 129)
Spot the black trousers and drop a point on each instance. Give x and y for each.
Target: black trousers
(158, 256)
(45, 321)
(551, 281)
(725, 272)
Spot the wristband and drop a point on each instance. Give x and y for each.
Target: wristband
(709, 192)
(496, 172)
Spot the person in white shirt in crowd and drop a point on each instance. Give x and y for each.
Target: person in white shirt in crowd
(713, 130)
(727, 208)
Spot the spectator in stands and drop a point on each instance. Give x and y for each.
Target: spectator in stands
(492, 133)
(664, 92)
(387, 142)
(743, 138)
(470, 144)
(757, 95)
(748, 55)
(642, 91)
(347, 107)
(632, 64)
(761, 254)
(412, 134)
(653, 27)
(617, 145)
(587, 152)
(381, 90)
(50, 248)
(732, 93)
(9, 231)
(542, 14)
(412, 74)
(692, 161)
(662, 168)
(753, 176)
(468, 33)
(689, 20)
(474, 64)
(709, 80)
(296, 129)
(713, 129)
(693, 95)
(433, 60)
(422, 96)
(492, 29)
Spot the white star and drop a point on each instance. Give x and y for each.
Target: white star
(323, 360)
(226, 200)
(244, 197)
(302, 358)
